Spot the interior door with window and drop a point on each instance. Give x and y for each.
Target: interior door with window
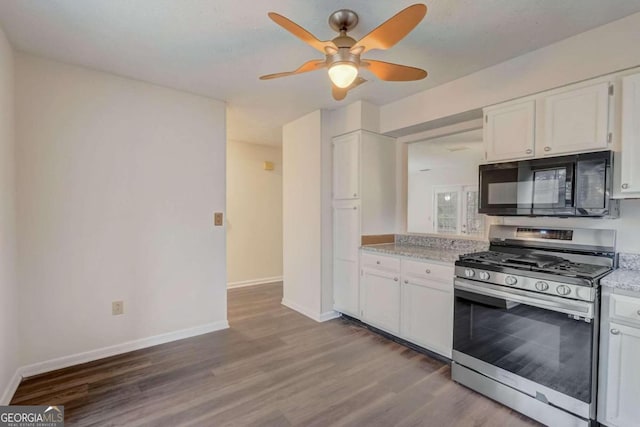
(447, 205)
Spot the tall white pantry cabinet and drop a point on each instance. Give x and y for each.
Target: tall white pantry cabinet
(364, 203)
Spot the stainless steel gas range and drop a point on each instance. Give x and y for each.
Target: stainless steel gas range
(526, 320)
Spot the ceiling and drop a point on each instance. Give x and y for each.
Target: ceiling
(446, 151)
(218, 48)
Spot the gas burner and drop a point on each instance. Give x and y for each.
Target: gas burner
(532, 261)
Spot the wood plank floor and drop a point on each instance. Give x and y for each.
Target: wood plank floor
(273, 367)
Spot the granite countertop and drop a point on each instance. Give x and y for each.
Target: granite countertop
(415, 251)
(628, 280)
(627, 276)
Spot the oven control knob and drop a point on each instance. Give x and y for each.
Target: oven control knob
(510, 280)
(484, 275)
(469, 272)
(542, 286)
(563, 290)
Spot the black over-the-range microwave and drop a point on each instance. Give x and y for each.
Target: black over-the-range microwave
(575, 185)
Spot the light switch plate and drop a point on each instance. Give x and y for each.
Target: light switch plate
(217, 219)
(117, 308)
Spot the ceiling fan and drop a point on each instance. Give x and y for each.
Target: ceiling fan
(342, 54)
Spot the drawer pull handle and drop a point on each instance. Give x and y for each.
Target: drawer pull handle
(406, 282)
(427, 271)
(547, 148)
(625, 186)
(615, 332)
(378, 262)
(529, 151)
(395, 279)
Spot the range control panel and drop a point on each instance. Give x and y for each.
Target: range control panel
(566, 290)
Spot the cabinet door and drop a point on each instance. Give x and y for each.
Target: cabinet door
(623, 377)
(427, 314)
(346, 241)
(380, 299)
(509, 131)
(630, 154)
(346, 167)
(576, 120)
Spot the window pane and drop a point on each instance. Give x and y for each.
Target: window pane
(475, 221)
(447, 212)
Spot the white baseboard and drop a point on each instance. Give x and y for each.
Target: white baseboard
(328, 315)
(318, 317)
(254, 282)
(11, 388)
(100, 353)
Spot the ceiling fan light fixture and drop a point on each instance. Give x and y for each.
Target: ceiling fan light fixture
(343, 74)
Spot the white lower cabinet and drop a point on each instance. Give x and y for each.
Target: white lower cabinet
(410, 299)
(623, 376)
(427, 314)
(380, 299)
(619, 385)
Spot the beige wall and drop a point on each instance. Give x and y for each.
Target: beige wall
(254, 214)
(118, 181)
(9, 344)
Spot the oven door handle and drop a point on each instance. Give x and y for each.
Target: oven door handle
(562, 305)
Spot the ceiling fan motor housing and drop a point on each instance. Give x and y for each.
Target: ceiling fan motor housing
(343, 20)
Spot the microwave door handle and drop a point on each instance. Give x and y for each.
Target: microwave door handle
(561, 305)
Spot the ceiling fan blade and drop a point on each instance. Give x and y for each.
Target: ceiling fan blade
(393, 30)
(340, 93)
(312, 65)
(393, 72)
(300, 32)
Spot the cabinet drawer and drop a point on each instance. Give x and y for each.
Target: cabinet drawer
(381, 261)
(624, 307)
(428, 270)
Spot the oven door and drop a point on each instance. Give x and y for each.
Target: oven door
(540, 344)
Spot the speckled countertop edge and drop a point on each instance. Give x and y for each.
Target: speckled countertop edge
(416, 252)
(627, 276)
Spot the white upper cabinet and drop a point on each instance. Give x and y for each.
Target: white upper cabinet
(572, 119)
(346, 240)
(630, 137)
(346, 166)
(509, 131)
(575, 120)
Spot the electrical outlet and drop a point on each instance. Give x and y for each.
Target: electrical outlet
(217, 219)
(117, 308)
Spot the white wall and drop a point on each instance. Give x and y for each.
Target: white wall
(446, 169)
(603, 50)
(254, 214)
(117, 184)
(301, 196)
(9, 344)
